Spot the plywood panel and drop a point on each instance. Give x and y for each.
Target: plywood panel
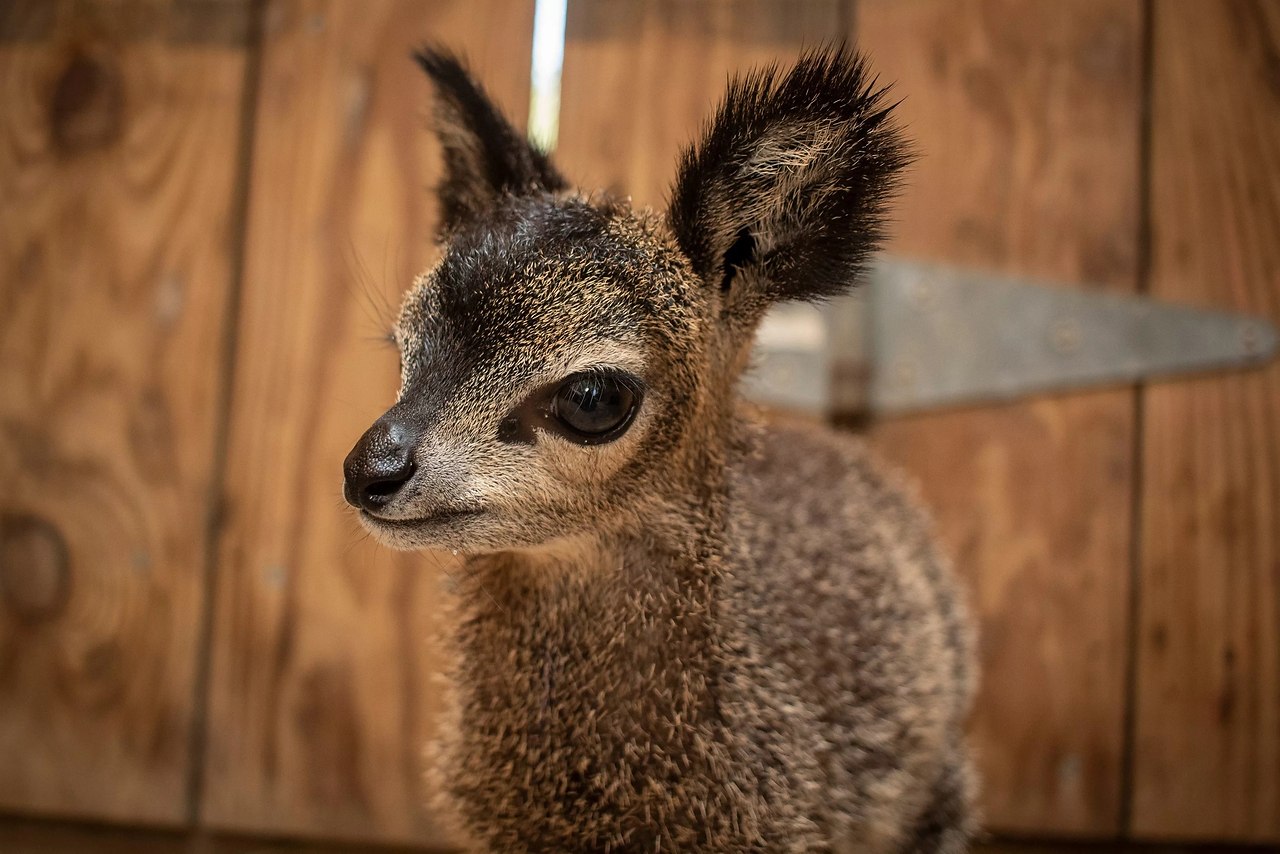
(322, 696)
(1027, 120)
(640, 78)
(119, 129)
(1207, 760)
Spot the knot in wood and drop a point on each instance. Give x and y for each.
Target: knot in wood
(86, 108)
(35, 568)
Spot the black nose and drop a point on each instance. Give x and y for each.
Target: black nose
(379, 464)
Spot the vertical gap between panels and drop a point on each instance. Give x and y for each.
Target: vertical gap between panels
(544, 72)
(1133, 634)
(239, 221)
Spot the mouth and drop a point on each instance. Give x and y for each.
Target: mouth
(440, 517)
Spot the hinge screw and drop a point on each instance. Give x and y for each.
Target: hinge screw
(1064, 336)
(924, 295)
(904, 375)
(1249, 336)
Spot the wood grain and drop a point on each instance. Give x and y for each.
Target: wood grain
(322, 696)
(1027, 120)
(641, 77)
(1207, 758)
(118, 163)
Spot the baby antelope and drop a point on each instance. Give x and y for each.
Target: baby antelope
(682, 629)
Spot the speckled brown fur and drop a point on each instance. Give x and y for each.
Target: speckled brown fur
(708, 634)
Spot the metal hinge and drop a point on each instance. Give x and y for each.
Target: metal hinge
(924, 336)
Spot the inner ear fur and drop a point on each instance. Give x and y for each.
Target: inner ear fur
(785, 193)
(485, 157)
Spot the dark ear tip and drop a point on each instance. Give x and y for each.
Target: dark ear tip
(440, 63)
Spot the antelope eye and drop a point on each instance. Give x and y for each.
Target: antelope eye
(595, 406)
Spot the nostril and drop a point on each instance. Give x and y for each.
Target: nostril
(378, 491)
(385, 488)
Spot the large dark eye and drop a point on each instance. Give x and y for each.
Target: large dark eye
(595, 406)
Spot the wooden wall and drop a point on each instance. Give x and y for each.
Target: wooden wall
(208, 209)
(120, 164)
(320, 694)
(1029, 117)
(1206, 752)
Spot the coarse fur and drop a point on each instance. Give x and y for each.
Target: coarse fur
(706, 633)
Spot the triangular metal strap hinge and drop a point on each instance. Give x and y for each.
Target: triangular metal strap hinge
(923, 336)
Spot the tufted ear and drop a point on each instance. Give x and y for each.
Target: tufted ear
(485, 157)
(784, 195)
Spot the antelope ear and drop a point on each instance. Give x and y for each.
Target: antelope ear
(485, 157)
(784, 195)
